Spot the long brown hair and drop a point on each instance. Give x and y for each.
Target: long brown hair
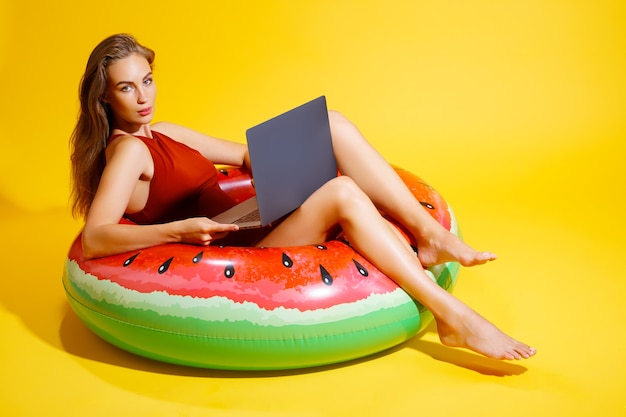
(93, 128)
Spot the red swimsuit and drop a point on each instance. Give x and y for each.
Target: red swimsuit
(184, 184)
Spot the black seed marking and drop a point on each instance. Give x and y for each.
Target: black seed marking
(328, 280)
(414, 248)
(229, 271)
(224, 171)
(165, 266)
(197, 258)
(130, 260)
(287, 262)
(427, 205)
(321, 247)
(360, 268)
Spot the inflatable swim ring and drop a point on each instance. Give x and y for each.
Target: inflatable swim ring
(250, 308)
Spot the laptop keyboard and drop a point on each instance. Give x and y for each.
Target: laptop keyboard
(250, 217)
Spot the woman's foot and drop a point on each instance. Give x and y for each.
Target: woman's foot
(468, 329)
(442, 246)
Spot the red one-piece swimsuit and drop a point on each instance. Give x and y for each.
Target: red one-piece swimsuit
(184, 184)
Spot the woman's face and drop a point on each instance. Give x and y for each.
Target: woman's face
(131, 92)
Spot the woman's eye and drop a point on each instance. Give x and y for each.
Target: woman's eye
(126, 88)
(147, 81)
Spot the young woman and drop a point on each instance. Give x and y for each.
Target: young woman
(122, 165)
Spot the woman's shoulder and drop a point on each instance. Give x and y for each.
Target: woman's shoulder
(126, 144)
(124, 140)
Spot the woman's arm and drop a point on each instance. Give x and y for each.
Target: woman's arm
(111, 239)
(129, 168)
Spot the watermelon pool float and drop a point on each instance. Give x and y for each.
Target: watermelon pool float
(250, 308)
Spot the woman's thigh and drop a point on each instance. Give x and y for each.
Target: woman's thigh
(317, 219)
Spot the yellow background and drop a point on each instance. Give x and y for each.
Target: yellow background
(514, 110)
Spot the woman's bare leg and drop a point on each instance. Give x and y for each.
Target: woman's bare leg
(342, 202)
(357, 159)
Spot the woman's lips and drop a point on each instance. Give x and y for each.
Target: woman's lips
(145, 112)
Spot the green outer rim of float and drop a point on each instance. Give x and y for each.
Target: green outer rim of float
(251, 353)
(240, 345)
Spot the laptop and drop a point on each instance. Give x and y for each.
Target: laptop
(291, 156)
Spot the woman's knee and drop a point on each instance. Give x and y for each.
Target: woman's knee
(345, 191)
(335, 116)
(337, 121)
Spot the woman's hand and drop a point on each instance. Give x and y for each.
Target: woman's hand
(202, 231)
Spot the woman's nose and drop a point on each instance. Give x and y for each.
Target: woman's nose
(141, 97)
